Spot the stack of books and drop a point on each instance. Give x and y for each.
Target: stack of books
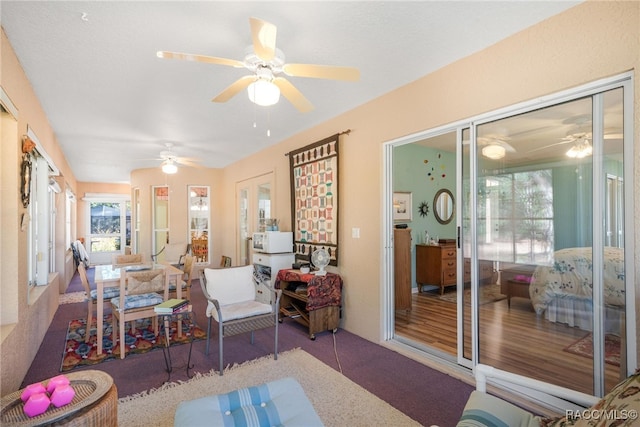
(172, 306)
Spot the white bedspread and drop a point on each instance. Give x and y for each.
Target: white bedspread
(570, 278)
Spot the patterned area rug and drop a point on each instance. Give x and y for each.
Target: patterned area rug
(78, 353)
(488, 294)
(584, 347)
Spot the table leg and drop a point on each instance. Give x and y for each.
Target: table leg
(99, 314)
(166, 350)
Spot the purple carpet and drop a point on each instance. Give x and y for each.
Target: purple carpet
(424, 394)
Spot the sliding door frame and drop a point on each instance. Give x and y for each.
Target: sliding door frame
(593, 89)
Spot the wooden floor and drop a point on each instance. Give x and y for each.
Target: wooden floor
(514, 339)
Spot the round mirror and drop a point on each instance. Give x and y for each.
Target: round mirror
(443, 206)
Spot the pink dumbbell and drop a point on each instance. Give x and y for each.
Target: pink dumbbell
(62, 395)
(31, 389)
(55, 382)
(37, 404)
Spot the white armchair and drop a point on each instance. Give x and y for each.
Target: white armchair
(231, 296)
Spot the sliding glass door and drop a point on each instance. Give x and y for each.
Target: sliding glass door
(543, 285)
(545, 182)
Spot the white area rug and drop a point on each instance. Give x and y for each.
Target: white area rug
(337, 400)
(71, 297)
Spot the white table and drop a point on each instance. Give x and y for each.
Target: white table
(109, 276)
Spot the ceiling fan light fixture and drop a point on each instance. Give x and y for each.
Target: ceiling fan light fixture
(580, 150)
(263, 93)
(169, 167)
(493, 151)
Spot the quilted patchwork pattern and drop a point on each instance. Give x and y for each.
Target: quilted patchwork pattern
(137, 301)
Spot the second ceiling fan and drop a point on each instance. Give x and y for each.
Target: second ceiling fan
(266, 62)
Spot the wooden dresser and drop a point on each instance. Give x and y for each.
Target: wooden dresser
(436, 265)
(402, 268)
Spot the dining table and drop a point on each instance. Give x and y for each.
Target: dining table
(109, 276)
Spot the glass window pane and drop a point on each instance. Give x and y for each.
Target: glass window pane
(105, 218)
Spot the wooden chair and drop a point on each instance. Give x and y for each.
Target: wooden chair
(189, 263)
(231, 296)
(140, 292)
(131, 259)
(200, 249)
(92, 298)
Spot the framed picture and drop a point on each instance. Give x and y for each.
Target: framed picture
(402, 207)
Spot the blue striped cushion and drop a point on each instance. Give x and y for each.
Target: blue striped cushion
(138, 301)
(484, 410)
(109, 292)
(277, 403)
(172, 285)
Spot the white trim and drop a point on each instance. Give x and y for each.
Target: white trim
(483, 373)
(31, 134)
(7, 104)
(105, 197)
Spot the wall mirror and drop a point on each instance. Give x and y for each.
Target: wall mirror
(443, 206)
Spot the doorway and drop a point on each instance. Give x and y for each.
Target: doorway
(254, 209)
(542, 285)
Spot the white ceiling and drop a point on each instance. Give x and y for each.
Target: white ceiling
(113, 104)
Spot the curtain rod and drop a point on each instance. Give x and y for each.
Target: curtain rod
(344, 132)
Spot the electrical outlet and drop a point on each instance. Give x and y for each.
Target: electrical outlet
(355, 233)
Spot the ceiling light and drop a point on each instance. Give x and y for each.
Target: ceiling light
(581, 149)
(169, 167)
(263, 92)
(493, 151)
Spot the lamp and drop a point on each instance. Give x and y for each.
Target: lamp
(263, 92)
(169, 167)
(494, 151)
(580, 149)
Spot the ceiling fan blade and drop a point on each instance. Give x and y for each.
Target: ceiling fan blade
(322, 72)
(200, 58)
(263, 35)
(294, 96)
(231, 91)
(549, 146)
(189, 163)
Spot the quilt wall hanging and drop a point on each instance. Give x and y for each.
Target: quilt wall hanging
(314, 198)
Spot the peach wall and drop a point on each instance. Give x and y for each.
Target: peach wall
(144, 179)
(21, 337)
(588, 42)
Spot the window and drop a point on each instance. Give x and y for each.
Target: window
(108, 227)
(199, 222)
(516, 218)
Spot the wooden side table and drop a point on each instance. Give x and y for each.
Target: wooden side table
(318, 307)
(515, 288)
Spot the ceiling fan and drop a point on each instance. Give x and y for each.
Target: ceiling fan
(170, 160)
(266, 62)
(494, 146)
(580, 140)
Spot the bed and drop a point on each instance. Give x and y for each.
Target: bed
(563, 290)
